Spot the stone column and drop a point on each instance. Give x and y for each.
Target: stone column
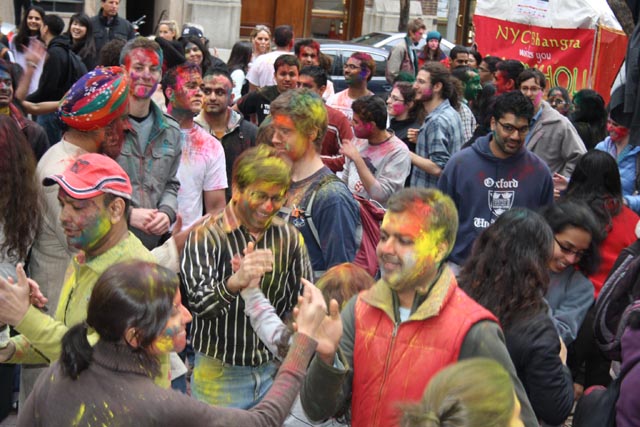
(219, 18)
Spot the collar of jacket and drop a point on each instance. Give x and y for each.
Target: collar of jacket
(431, 299)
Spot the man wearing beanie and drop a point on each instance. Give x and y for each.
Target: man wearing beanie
(404, 56)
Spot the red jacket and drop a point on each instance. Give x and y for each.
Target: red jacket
(394, 362)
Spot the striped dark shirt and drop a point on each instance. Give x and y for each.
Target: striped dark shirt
(220, 328)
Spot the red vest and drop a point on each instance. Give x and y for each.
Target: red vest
(394, 363)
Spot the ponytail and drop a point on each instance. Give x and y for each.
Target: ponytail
(76, 351)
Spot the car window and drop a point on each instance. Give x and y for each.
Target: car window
(370, 39)
(381, 64)
(336, 63)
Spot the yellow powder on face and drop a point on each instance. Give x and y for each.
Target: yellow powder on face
(164, 344)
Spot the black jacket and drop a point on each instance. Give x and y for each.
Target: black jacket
(105, 30)
(534, 347)
(56, 76)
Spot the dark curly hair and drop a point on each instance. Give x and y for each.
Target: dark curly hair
(507, 270)
(20, 198)
(596, 182)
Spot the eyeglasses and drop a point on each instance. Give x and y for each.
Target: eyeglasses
(532, 89)
(262, 28)
(351, 67)
(394, 98)
(522, 130)
(558, 103)
(568, 251)
(484, 70)
(262, 197)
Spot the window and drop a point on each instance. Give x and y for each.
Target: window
(62, 6)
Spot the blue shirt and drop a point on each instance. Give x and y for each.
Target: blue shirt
(439, 138)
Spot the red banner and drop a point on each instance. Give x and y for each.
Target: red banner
(610, 52)
(563, 55)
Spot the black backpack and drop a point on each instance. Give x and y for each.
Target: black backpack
(618, 294)
(77, 68)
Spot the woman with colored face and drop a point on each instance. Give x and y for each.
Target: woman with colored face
(558, 98)
(617, 144)
(134, 317)
(403, 113)
(577, 237)
(596, 182)
(28, 32)
(82, 42)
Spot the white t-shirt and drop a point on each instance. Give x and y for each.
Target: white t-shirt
(202, 168)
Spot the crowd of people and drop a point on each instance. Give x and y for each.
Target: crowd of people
(165, 215)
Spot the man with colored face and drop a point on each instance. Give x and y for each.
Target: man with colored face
(246, 244)
(318, 204)
(441, 133)
(495, 174)
(202, 174)
(257, 103)
(358, 70)
(507, 73)
(151, 151)
(308, 53)
(404, 55)
(339, 128)
(93, 194)
(107, 25)
(412, 323)
(378, 164)
(552, 136)
(32, 131)
(234, 132)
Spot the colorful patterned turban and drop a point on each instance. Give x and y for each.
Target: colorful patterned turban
(94, 101)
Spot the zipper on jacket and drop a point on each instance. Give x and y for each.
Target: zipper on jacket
(386, 370)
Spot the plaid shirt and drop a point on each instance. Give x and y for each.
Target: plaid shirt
(439, 138)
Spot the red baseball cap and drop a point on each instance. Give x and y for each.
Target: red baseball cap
(91, 175)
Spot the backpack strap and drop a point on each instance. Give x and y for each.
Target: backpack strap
(637, 182)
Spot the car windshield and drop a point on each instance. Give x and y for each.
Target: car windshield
(370, 39)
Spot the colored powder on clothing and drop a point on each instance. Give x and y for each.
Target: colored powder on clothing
(79, 415)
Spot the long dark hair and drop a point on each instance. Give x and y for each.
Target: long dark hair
(131, 294)
(566, 214)
(20, 198)
(596, 182)
(87, 46)
(507, 270)
(240, 56)
(206, 56)
(22, 38)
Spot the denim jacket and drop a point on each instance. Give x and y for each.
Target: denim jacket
(153, 173)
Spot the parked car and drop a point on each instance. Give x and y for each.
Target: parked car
(341, 51)
(387, 40)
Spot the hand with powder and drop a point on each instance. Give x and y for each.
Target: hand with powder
(349, 150)
(250, 268)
